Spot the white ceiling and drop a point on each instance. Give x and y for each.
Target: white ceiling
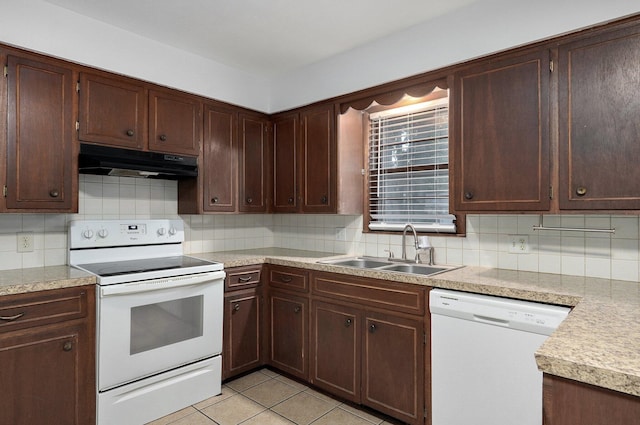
(263, 37)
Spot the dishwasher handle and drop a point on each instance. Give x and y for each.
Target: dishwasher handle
(490, 320)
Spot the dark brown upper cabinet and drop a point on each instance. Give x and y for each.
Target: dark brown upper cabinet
(253, 154)
(285, 163)
(113, 111)
(41, 156)
(500, 146)
(123, 112)
(219, 159)
(318, 159)
(175, 122)
(599, 121)
(305, 160)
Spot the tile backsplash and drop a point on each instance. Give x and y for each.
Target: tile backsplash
(487, 242)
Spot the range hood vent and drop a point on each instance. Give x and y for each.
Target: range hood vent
(108, 161)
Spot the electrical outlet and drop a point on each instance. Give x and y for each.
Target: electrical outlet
(25, 241)
(519, 244)
(341, 234)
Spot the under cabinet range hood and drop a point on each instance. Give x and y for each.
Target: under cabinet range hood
(109, 161)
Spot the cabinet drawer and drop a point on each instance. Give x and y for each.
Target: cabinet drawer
(385, 294)
(289, 278)
(242, 278)
(40, 308)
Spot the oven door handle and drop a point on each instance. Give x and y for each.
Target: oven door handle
(160, 284)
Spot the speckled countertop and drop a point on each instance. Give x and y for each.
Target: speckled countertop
(599, 343)
(41, 279)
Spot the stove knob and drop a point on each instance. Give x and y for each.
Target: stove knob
(162, 231)
(103, 233)
(172, 231)
(87, 234)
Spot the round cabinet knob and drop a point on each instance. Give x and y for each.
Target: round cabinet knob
(163, 137)
(249, 200)
(54, 193)
(297, 309)
(68, 346)
(324, 200)
(87, 234)
(290, 200)
(172, 231)
(103, 233)
(372, 328)
(162, 231)
(468, 195)
(130, 133)
(581, 191)
(347, 323)
(214, 200)
(236, 307)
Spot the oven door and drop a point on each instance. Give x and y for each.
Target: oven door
(155, 325)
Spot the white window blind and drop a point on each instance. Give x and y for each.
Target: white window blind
(409, 168)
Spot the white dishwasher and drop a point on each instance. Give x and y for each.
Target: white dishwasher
(483, 369)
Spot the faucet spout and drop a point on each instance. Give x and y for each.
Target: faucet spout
(409, 226)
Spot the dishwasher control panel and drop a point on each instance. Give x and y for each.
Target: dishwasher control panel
(505, 312)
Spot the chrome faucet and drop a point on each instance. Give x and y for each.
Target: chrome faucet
(415, 241)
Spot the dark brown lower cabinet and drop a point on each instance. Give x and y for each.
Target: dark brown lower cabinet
(47, 358)
(336, 347)
(288, 333)
(369, 357)
(243, 320)
(568, 402)
(393, 366)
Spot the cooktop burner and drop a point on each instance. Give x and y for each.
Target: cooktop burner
(118, 268)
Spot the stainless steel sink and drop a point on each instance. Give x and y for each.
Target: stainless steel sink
(388, 265)
(415, 269)
(363, 263)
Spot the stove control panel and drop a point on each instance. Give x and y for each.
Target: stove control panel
(114, 233)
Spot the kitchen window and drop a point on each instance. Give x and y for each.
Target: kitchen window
(408, 167)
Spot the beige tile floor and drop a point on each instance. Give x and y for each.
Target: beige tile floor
(268, 398)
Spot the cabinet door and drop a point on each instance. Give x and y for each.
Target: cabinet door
(41, 159)
(41, 379)
(242, 336)
(599, 121)
(289, 333)
(112, 112)
(501, 143)
(336, 350)
(48, 357)
(219, 161)
(568, 402)
(318, 159)
(393, 366)
(285, 163)
(175, 123)
(252, 163)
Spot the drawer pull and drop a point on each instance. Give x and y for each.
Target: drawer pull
(244, 279)
(130, 133)
(372, 328)
(68, 346)
(297, 309)
(236, 307)
(11, 318)
(286, 279)
(347, 323)
(163, 137)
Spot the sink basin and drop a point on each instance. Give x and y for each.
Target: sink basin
(415, 269)
(363, 263)
(391, 266)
